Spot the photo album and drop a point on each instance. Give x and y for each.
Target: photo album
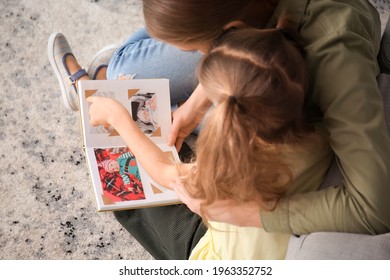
(119, 181)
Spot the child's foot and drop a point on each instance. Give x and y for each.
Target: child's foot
(101, 73)
(73, 67)
(66, 69)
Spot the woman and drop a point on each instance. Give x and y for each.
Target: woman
(341, 41)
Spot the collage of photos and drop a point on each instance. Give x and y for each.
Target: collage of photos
(119, 175)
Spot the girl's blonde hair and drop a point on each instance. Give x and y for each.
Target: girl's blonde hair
(257, 80)
(189, 21)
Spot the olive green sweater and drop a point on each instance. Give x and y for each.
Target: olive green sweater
(341, 39)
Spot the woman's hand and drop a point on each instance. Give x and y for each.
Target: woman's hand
(187, 117)
(106, 111)
(184, 121)
(224, 211)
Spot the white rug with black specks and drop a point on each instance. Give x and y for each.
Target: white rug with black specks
(48, 209)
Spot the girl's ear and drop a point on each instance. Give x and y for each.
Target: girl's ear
(235, 23)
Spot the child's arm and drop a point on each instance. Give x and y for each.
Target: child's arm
(156, 163)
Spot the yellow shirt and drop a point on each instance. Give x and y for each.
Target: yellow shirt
(309, 164)
(228, 242)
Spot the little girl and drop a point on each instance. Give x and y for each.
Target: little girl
(256, 144)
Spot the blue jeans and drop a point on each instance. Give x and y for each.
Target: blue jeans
(149, 58)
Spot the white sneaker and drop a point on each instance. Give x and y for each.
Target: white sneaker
(58, 49)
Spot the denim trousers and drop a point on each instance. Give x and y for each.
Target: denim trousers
(166, 232)
(148, 58)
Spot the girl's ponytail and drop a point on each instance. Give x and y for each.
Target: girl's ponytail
(257, 80)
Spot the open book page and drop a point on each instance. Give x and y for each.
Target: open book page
(147, 101)
(119, 181)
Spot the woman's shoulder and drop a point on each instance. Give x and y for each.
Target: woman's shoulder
(335, 18)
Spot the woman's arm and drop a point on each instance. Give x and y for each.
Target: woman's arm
(341, 50)
(156, 163)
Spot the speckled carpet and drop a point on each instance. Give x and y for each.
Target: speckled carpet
(47, 208)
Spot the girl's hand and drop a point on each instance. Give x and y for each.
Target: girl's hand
(224, 211)
(106, 111)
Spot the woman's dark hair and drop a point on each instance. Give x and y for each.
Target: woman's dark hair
(189, 21)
